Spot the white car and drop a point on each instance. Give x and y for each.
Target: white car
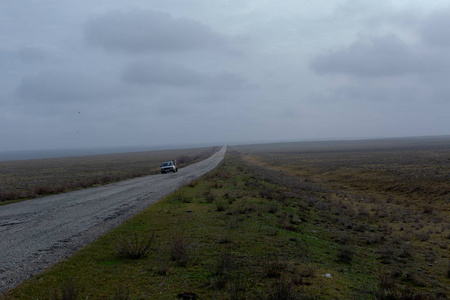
(169, 166)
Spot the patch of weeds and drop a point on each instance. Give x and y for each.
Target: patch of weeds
(272, 266)
(267, 193)
(68, 290)
(244, 208)
(272, 207)
(414, 279)
(209, 196)
(224, 264)
(11, 195)
(221, 204)
(387, 253)
(193, 184)
(284, 290)
(218, 282)
(221, 270)
(135, 245)
(290, 228)
(217, 184)
(346, 254)
(271, 231)
(423, 236)
(373, 239)
(229, 198)
(180, 249)
(163, 267)
(224, 239)
(294, 219)
(237, 289)
(388, 289)
(343, 239)
(234, 222)
(121, 293)
(181, 197)
(406, 251)
(308, 271)
(428, 209)
(303, 251)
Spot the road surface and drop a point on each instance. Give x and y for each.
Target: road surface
(37, 233)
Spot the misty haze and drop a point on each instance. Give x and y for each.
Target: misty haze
(224, 149)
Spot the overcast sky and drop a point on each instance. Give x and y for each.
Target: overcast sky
(83, 73)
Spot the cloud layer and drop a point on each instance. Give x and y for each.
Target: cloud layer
(110, 73)
(377, 57)
(147, 31)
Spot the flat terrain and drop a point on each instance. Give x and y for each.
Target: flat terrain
(401, 185)
(39, 232)
(32, 178)
(280, 222)
(414, 168)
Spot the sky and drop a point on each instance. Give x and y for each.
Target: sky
(82, 73)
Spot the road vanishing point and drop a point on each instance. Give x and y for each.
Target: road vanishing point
(37, 233)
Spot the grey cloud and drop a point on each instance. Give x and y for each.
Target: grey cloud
(144, 31)
(64, 87)
(381, 56)
(435, 30)
(161, 73)
(31, 55)
(228, 81)
(27, 55)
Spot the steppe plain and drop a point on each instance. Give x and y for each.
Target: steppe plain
(31, 178)
(312, 220)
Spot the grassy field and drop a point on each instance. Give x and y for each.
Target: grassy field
(32, 178)
(248, 231)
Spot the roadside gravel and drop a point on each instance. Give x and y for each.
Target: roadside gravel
(37, 233)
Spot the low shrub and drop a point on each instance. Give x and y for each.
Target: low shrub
(11, 195)
(346, 254)
(68, 290)
(234, 222)
(180, 196)
(224, 239)
(180, 249)
(225, 263)
(136, 245)
(389, 290)
(193, 184)
(284, 290)
(221, 204)
(209, 196)
(163, 267)
(272, 207)
(272, 266)
(387, 253)
(121, 293)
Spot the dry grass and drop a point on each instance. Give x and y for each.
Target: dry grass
(390, 196)
(32, 178)
(180, 248)
(135, 245)
(292, 253)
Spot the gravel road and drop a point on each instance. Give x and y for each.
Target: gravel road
(37, 233)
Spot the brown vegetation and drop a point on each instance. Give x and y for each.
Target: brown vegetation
(32, 178)
(392, 198)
